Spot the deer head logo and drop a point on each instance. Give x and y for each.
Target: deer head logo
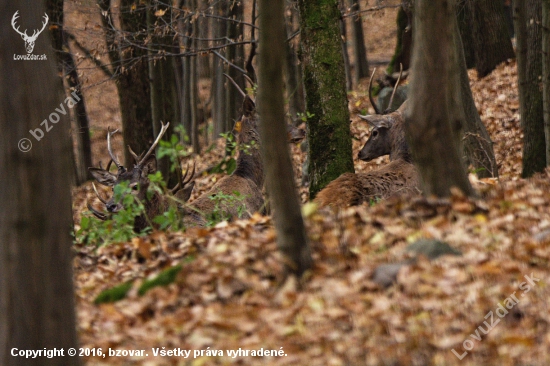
(29, 40)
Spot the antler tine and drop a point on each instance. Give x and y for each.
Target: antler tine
(163, 130)
(184, 180)
(236, 85)
(99, 215)
(97, 194)
(134, 155)
(249, 79)
(109, 148)
(109, 165)
(396, 85)
(370, 93)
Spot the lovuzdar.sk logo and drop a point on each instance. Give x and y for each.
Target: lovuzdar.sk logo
(29, 40)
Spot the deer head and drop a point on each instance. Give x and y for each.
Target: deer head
(380, 140)
(137, 180)
(29, 40)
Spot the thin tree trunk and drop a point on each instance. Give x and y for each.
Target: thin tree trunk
(358, 41)
(294, 95)
(345, 53)
(162, 79)
(527, 20)
(235, 55)
(291, 236)
(219, 107)
(435, 114)
(328, 133)
(37, 308)
(67, 66)
(546, 73)
(403, 47)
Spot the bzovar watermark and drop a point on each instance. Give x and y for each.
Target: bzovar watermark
(501, 311)
(25, 144)
(29, 40)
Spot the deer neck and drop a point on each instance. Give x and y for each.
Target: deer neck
(249, 162)
(399, 146)
(153, 207)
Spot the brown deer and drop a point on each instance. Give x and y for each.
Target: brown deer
(138, 182)
(247, 179)
(397, 177)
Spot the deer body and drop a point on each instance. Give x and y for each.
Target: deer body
(247, 179)
(396, 178)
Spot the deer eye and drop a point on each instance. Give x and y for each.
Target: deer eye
(374, 133)
(134, 187)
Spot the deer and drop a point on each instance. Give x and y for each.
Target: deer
(138, 181)
(247, 180)
(396, 178)
(29, 40)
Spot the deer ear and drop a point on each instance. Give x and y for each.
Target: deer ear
(149, 166)
(249, 108)
(103, 176)
(376, 120)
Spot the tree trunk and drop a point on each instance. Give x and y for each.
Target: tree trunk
(67, 67)
(37, 309)
(464, 17)
(435, 116)
(162, 80)
(291, 236)
(403, 47)
(293, 87)
(358, 41)
(130, 66)
(478, 146)
(219, 108)
(546, 73)
(527, 20)
(491, 40)
(345, 53)
(328, 131)
(235, 55)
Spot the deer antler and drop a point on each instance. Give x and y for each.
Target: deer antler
(183, 181)
(113, 157)
(99, 215)
(97, 194)
(134, 155)
(370, 93)
(395, 88)
(37, 32)
(163, 130)
(16, 28)
(236, 85)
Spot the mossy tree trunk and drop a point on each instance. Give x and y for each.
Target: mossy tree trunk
(527, 21)
(291, 236)
(435, 116)
(403, 47)
(37, 306)
(328, 132)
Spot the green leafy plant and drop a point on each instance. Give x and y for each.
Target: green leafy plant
(304, 116)
(223, 203)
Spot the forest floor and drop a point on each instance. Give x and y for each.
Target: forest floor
(229, 295)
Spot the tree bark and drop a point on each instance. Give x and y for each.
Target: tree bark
(291, 236)
(220, 118)
(37, 309)
(345, 53)
(235, 55)
(490, 34)
(328, 131)
(478, 147)
(546, 73)
(162, 80)
(293, 84)
(67, 67)
(130, 64)
(403, 47)
(527, 21)
(358, 41)
(435, 117)
(464, 17)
